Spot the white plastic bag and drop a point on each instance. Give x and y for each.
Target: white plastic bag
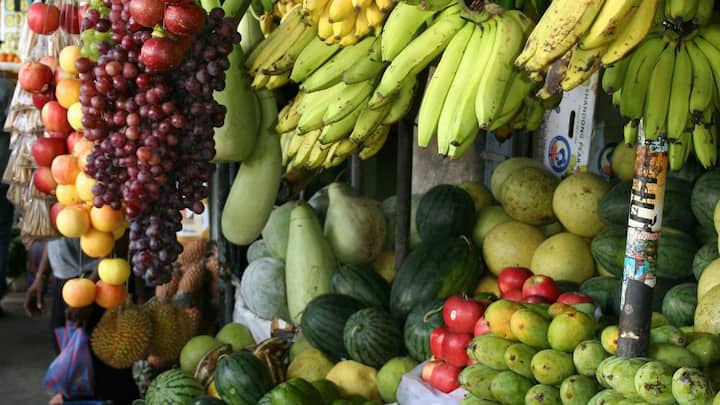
(260, 328)
(414, 391)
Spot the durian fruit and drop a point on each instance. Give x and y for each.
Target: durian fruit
(193, 251)
(165, 292)
(171, 329)
(122, 336)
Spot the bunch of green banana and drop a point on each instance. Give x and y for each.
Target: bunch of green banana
(573, 39)
(345, 22)
(464, 96)
(272, 60)
(672, 85)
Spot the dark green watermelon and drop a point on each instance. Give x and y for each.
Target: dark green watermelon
(372, 337)
(241, 378)
(173, 386)
(419, 325)
(605, 292)
(435, 269)
(703, 257)
(705, 195)
(324, 319)
(207, 400)
(445, 211)
(679, 304)
(363, 284)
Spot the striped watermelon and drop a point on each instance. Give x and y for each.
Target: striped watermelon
(419, 324)
(241, 378)
(363, 284)
(323, 322)
(173, 387)
(372, 337)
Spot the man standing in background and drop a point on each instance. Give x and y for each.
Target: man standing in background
(6, 208)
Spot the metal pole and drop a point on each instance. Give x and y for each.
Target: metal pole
(356, 175)
(220, 183)
(644, 226)
(403, 188)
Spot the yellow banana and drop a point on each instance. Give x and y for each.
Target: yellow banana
(259, 81)
(385, 5)
(658, 95)
(277, 81)
(374, 16)
(632, 33)
(325, 27)
(613, 15)
(348, 40)
(374, 142)
(303, 153)
(360, 4)
(330, 158)
(583, 63)
(343, 28)
(310, 6)
(317, 156)
(362, 28)
(276, 43)
(296, 140)
(678, 115)
(340, 10)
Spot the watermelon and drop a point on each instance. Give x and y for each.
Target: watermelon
(675, 252)
(605, 293)
(363, 284)
(419, 325)
(257, 250)
(241, 378)
(173, 387)
(445, 211)
(207, 400)
(679, 304)
(263, 288)
(704, 197)
(706, 254)
(435, 269)
(705, 234)
(323, 322)
(614, 207)
(372, 337)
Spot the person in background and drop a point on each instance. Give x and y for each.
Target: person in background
(65, 260)
(6, 208)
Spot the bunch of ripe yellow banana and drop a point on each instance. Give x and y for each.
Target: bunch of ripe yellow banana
(269, 19)
(574, 38)
(272, 60)
(465, 95)
(346, 22)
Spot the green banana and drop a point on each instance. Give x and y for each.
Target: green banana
(314, 106)
(331, 72)
(703, 84)
(455, 152)
(637, 76)
(293, 145)
(415, 57)
(434, 5)
(713, 57)
(520, 88)
(458, 120)
(704, 139)
(285, 62)
(274, 46)
(630, 132)
(235, 140)
(440, 82)
(535, 115)
(711, 33)
(318, 154)
(303, 153)
(678, 115)
(496, 79)
(704, 12)
(400, 28)
(289, 120)
(368, 120)
(617, 98)
(368, 67)
(612, 16)
(679, 150)
(614, 76)
(285, 139)
(342, 128)
(277, 81)
(583, 63)
(346, 100)
(402, 103)
(314, 55)
(657, 99)
(681, 10)
(632, 33)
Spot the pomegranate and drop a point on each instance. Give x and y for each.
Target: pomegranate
(160, 52)
(186, 19)
(147, 13)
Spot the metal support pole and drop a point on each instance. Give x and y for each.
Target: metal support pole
(356, 175)
(644, 226)
(220, 183)
(403, 188)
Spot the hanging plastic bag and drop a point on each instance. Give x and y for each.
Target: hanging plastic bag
(71, 373)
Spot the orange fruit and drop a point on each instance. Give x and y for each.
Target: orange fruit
(97, 243)
(67, 92)
(78, 292)
(72, 221)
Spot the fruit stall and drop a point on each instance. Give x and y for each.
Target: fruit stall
(379, 201)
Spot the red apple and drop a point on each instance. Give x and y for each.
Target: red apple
(72, 140)
(40, 99)
(455, 348)
(42, 18)
(460, 314)
(445, 377)
(481, 327)
(54, 117)
(49, 61)
(512, 278)
(436, 341)
(35, 77)
(535, 299)
(65, 169)
(513, 295)
(570, 298)
(44, 150)
(428, 368)
(543, 286)
(69, 21)
(54, 211)
(56, 135)
(43, 180)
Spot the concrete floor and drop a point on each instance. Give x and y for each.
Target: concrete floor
(25, 354)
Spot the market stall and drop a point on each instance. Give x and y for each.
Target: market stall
(365, 202)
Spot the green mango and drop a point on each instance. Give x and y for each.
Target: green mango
(673, 355)
(577, 390)
(706, 348)
(568, 329)
(657, 319)
(653, 382)
(551, 367)
(690, 386)
(605, 397)
(587, 356)
(489, 350)
(518, 358)
(587, 308)
(509, 388)
(620, 375)
(716, 400)
(471, 399)
(541, 394)
(476, 380)
(351, 400)
(668, 334)
(530, 327)
(602, 368)
(327, 389)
